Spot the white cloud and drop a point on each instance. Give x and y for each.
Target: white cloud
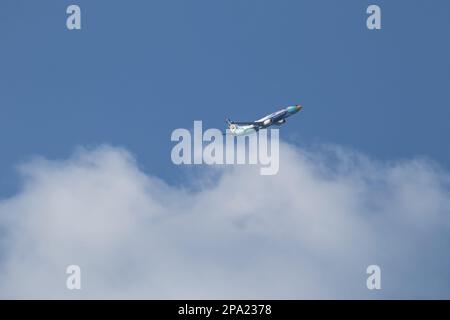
(308, 232)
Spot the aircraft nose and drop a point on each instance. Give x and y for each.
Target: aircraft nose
(294, 109)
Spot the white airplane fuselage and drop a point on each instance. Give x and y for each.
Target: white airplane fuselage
(278, 118)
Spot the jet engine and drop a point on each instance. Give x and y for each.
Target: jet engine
(280, 122)
(267, 122)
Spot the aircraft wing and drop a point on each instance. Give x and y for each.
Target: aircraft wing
(240, 123)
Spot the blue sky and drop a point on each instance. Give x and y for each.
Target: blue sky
(139, 69)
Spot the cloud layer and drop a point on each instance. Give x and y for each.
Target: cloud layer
(308, 232)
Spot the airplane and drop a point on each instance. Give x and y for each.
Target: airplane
(238, 128)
